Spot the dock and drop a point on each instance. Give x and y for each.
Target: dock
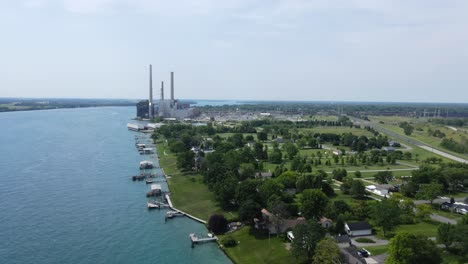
(196, 240)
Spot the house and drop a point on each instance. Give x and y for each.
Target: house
(263, 175)
(358, 229)
(380, 190)
(198, 161)
(325, 222)
(460, 208)
(275, 224)
(388, 149)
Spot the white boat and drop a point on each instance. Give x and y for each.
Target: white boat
(152, 205)
(134, 127)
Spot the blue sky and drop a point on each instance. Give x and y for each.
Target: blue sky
(343, 50)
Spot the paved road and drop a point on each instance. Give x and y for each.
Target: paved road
(443, 154)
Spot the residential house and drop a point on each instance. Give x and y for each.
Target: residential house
(460, 208)
(275, 224)
(325, 222)
(358, 229)
(380, 190)
(263, 175)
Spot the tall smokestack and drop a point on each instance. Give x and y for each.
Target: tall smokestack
(162, 90)
(150, 104)
(172, 86)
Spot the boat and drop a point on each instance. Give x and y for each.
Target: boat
(171, 214)
(148, 181)
(146, 164)
(134, 127)
(152, 205)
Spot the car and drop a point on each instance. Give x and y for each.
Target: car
(363, 253)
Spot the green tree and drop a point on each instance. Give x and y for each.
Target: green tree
(386, 214)
(276, 157)
(445, 234)
(429, 191)
(383, 176)
(313, 203)
(288, 179)
(262, 136)
(357, 189)
(249, 210)
(423, 212)
(290, 149)
(407, 248)
(306, 237)
(269, 188)
(246, 170)
(326, 252)
(358, 174)
(217, 223)
(185, 160)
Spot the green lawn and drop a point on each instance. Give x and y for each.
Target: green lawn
(453, 259)
(258, 250)
(377, 250)
(189, 194)
(428, 229)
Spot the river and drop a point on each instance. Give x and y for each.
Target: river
(66, 195)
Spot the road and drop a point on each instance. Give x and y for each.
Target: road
(408, 140)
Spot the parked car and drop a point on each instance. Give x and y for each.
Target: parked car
(363, 253)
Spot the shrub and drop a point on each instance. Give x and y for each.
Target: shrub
(217, 224)
(364, 240)
(228, 242)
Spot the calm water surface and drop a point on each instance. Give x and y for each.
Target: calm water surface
(66, 196)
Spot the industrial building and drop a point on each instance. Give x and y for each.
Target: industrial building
(165, 108)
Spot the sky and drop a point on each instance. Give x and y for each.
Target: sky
(307, 50)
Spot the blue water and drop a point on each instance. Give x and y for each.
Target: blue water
(66, 196)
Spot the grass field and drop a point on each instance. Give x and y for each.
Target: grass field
(189, 194)
(258, 250)
(377, 250)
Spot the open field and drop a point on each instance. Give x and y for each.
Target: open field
(338, 130)
(258, 250)
(377, 250)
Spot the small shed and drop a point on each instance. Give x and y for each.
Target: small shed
(358, 229)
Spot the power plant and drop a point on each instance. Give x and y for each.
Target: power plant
(166, 108)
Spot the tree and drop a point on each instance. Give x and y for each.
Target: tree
(327, 189)
(262, 136)
(269, 188)
(445, 234)
(357, 174)
(339, 174)
(276, 156)
(429, 191)
(185, 160)
(357, 189)
(383, 176)
(288, 179)
(217, 223)
(406, 248)
(306, 237)
(280, 210)
(249, 210)
(308, 181)
(246, 170)
(326, 252)
(313, 203)
(290, 149)
(386, 214)
(423, 212)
